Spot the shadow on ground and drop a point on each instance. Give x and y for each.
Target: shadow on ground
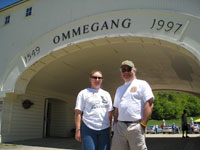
(155, 143)
(192, 143)
(57, 143)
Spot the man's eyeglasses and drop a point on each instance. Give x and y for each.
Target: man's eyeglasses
(94, 77)
(126, 69)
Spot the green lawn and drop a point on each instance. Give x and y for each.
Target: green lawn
(167, 122)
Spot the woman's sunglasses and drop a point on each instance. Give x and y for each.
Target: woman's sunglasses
(94, 77)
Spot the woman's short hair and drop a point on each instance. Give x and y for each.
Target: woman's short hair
(94, 71)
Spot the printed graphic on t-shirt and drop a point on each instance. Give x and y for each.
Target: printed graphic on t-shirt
(100, 102)
(104, 100)
(133, 89)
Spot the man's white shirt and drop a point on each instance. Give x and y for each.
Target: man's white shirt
(130, 99)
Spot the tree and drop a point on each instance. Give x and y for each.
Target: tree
(170, 105)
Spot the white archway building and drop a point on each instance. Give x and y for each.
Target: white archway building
(48, 49)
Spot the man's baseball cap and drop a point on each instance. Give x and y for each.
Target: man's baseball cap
(127, 63)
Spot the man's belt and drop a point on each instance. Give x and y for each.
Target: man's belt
(137, 121)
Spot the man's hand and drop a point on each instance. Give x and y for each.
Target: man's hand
(147, 111)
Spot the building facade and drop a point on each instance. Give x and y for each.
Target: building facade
(48, 49)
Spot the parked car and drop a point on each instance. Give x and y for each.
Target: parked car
(169, 129)
(151, 129)
(159, 130)
(196, 128)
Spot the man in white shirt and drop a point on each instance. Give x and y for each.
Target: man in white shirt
(133, 104)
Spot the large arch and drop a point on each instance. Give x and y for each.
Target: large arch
(164, 65)
(171, 33)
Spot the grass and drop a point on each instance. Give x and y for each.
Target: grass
(2, 144)
(168, 122)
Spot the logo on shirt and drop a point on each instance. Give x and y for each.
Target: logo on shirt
(133, 89)
(99, 102)
(104, 100)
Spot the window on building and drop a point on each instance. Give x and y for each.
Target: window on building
(28, 11)
(7, 20)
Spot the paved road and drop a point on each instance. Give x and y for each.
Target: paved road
(154, 142)
(173, 142)
(44, 144)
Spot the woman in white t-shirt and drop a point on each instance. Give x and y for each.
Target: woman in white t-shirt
(93, 115)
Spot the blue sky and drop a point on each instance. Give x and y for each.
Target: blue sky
(4, 3)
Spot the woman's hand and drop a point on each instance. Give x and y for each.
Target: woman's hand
(78, 118)
(78, 135)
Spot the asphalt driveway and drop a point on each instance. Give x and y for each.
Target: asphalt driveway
(154, 142)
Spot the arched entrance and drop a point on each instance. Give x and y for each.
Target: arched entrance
(164, 65)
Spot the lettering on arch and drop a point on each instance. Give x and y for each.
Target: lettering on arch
(93, 27)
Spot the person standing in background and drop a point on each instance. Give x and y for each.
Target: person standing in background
(173, 128)
(164, 122)
(156, 126)
(191, 125)
(184, 124)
